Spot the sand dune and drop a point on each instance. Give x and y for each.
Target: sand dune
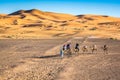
(25, 24)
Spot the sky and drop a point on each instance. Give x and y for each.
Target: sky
(75, 7)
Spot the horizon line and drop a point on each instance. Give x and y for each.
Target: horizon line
(61, 13)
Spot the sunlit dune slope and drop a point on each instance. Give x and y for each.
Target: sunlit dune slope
(38, 24)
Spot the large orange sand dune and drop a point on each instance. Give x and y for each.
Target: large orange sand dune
(38, 24)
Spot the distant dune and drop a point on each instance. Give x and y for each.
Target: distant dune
(34, 23)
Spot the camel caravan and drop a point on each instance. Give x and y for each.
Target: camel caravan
(67, 50)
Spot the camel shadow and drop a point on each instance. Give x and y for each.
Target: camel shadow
(48, 56)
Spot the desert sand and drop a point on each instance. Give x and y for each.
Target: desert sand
(28, 60)
(30, 41)
(36, 24)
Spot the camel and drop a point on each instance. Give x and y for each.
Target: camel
(94, 48)
(85, 49)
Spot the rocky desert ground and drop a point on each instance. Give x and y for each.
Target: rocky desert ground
(40, 60)
(30, 42)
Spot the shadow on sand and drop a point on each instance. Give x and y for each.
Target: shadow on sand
(48, 56)
(58, 56)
